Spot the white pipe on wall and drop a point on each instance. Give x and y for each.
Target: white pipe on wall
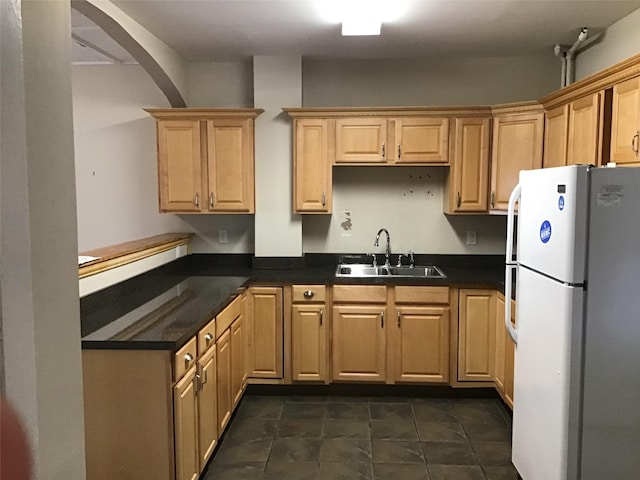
(572, 52)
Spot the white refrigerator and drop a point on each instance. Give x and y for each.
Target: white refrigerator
(576, 409)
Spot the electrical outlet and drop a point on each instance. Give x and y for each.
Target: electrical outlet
(223, 237)
(472, 238)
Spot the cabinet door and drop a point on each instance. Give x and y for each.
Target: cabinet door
(180, 166)
(469, 176)
(517, 145)
(223, 348)
(230, 165)
(359, 343)
(265, 337)
(308, 343)
(476, 323)
(238, 359)
(625, 122)
(501, 342)
(208, 405)
(510, 349)
(186, 427)
(361, 140)
(313, 144)
(556, 137)
(584, 119)
(421, 346)
(421, 140)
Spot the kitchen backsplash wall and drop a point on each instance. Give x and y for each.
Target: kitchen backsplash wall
(407, 201)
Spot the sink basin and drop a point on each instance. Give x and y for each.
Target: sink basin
(365, 270)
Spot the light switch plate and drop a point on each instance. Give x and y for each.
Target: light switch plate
(223, 237)
(472, 238)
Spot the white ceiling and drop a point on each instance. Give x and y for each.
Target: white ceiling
(214, 30)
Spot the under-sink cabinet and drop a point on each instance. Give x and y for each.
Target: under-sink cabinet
(418, 335)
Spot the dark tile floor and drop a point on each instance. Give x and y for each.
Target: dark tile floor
(360, 438)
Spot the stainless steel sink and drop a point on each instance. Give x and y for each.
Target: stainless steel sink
(360, 270)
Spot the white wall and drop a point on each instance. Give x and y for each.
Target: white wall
(116, 159)
(407, 201)
(116, 139)
(619, 42)
(406, 82)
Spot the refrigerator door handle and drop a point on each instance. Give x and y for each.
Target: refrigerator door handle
(511, 263)
(511, 212)
(508, 278)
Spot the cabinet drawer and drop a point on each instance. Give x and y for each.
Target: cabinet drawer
(422, 294)
(184, 359)
(228, 315)
(308, 293)
(206, 337)
(360, 293)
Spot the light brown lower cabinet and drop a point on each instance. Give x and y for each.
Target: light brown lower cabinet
(420, 346)
(208, 405)
(359, 345)
(223, 346)
(186, 426)
(265, 331)
(476, 330)
(238, 360)
(504, 352)
(309, 343)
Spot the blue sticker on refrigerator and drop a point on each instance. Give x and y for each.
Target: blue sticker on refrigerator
(561, 203)
(545, 231)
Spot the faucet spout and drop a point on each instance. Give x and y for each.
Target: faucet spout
(377, 243)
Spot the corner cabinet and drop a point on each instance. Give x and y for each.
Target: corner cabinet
(205, 160)
(518, 133)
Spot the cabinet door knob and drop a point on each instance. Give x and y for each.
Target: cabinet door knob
(382, 319)
(458, 200)
(399, 151)
(211, 199)
(188, 358)
(493, 199)
(634, 142)
(321, 315)
(208, 337)
(383, 153)
(309, 294)
(196, 200)
(324, 199)
(399, 316)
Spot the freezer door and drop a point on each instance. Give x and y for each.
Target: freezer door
(552, 221)
(547, 378)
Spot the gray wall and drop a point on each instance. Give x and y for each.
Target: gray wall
(444, 81)
(619, 42)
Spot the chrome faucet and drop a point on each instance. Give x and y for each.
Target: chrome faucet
(388, 251)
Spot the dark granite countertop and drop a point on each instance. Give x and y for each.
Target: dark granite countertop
(164, 308)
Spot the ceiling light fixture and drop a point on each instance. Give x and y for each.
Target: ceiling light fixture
(362, 17)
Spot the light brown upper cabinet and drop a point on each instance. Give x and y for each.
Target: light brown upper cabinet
(313, 155)
(361, 140)
(518, 134)
(205, 160)
(388, 141)
(573, 132)
(625, 122)
(468, 182)
(556, 137)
